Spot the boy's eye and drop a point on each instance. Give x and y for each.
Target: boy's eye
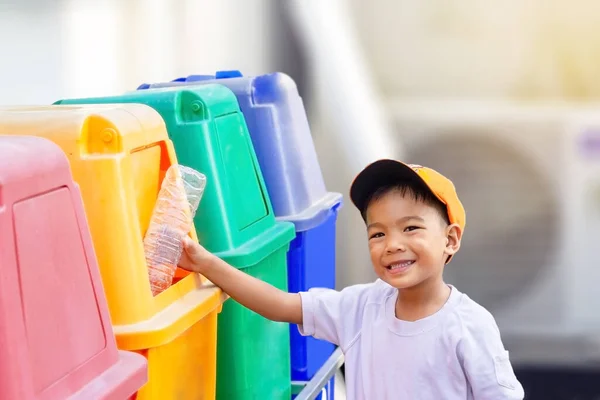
(411, 228)
(376, 235)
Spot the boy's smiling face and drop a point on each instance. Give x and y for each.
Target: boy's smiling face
(409, 240)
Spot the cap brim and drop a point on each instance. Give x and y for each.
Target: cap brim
(378, 174)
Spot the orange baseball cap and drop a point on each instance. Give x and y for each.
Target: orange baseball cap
(388, 172)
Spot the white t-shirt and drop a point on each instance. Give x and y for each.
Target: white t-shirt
(455, 353)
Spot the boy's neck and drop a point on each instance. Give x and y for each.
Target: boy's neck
(421, 301)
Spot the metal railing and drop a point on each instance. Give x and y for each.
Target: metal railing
(311, 389)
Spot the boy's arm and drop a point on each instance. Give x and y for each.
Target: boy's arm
(259, 296)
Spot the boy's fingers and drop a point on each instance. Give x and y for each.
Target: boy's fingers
(190, 246)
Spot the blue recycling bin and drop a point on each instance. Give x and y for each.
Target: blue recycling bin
(280, 133)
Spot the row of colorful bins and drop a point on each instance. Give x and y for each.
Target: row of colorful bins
(119, 153)
(56, 340)
(279, 131)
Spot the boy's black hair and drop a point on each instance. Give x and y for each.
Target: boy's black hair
(417, 192)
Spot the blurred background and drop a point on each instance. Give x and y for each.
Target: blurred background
(499, 96)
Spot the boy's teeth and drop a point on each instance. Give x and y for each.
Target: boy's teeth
(401, 265)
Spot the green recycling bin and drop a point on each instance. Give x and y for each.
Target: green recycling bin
(235, 221)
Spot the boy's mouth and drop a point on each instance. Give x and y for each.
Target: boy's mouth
(400, 266)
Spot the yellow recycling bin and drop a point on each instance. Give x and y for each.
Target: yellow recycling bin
(119, 155)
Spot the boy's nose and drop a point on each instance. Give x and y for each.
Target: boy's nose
(395, 246)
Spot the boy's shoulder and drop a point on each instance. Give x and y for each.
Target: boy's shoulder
(356, 296)
(375, 292)
(474, 318)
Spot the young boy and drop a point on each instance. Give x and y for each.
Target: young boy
(408, 335)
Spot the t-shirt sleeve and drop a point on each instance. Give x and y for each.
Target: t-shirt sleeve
(335, 316)
(485, 361)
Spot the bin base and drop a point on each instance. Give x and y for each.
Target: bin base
(253, 352)
(184, 369)
(311, 264)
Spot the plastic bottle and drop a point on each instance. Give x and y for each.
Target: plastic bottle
(172, 219)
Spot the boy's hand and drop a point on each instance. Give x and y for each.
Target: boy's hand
(251, 292)
(194, 257)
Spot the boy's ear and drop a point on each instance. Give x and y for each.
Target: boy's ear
(453, 238)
